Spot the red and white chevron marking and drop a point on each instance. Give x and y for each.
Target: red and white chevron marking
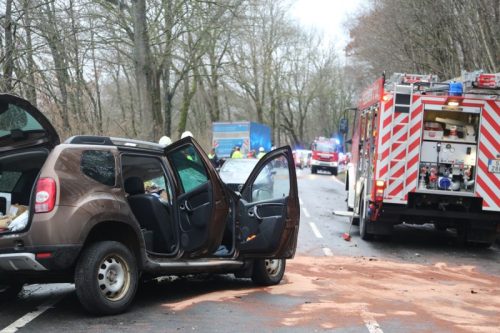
(487, 183)
(398, 150)
(385, 127)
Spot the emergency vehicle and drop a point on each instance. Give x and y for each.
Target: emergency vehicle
(325, 155)
(425, 151)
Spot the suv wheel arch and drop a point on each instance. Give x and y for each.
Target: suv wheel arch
(118, 232)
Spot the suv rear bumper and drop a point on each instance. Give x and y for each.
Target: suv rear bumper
(20, 262)
(39, 259)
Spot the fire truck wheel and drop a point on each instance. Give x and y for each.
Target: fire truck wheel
(363, 219)
(334, 171)
(313, 170)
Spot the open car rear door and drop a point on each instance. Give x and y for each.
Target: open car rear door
(268, 210)
(200, 204)
(23, 126)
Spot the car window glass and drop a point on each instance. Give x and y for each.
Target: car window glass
(189, 167)
(150, 171)
(13, 117)
(99, 165)
(272, 181)
(9, 179)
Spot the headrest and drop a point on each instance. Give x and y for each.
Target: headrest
(134, 185)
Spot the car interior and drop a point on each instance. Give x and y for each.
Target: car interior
(149, 196)
(18, 173)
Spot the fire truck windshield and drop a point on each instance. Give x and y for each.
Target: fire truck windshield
(325, 147)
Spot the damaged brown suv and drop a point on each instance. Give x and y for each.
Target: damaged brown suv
(105, 213)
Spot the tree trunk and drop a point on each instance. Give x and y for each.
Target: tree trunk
(188, 94)
(143, 74)
(31, 85)
(8, 63)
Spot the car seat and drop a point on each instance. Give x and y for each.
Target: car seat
(152, 215)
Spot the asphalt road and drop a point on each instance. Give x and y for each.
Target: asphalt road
(420, 280)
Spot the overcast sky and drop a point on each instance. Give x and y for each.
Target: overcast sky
(327, 16)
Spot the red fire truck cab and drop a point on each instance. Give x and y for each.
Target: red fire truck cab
(325, 155)
(425, 151)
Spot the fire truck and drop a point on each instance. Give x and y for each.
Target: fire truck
(325, 155)
(425, 151)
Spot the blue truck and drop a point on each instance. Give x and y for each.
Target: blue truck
(247, 135)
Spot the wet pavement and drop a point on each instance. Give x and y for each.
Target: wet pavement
(420, 280)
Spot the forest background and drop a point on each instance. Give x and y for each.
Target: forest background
(147, 68)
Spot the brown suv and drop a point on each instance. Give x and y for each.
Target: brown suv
(104, 212)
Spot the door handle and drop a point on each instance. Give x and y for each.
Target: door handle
(187, 206)
(253, 212)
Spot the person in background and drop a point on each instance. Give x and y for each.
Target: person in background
(237, 153)
(165, 141)
(161, 194)
(185, 134)
(251, 154)
(213, 158)
(262, 152)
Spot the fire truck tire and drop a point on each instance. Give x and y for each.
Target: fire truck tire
(313, 170)
(334, 171)
(363, 220)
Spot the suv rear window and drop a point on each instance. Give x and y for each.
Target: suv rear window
(13, 117)
(99, 165)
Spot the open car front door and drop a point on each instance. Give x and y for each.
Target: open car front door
(200, 204)
(268, 210)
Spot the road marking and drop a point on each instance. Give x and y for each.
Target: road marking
(301, 202)
(30, 316)
(315, 230)
(327, 252)
(306, 213)
(370, 322)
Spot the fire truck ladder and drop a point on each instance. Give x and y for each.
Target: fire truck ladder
(400, 132)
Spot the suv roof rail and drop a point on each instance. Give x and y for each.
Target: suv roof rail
(112, 141)
(90, 140)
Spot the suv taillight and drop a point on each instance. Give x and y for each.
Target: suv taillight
(45, 197)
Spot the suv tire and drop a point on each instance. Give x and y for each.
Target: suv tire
(268, 272)
(106, 278)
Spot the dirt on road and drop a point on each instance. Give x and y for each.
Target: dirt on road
(338, 292)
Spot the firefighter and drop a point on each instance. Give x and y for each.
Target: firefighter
(165, 141)
(237, 153)
(262, 152)
(213, 158)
